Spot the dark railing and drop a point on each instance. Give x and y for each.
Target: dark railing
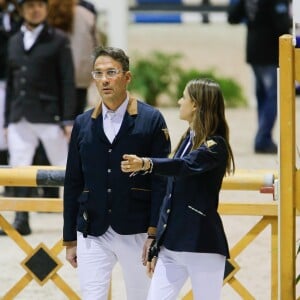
(170, 11)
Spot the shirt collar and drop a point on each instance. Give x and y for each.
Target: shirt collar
(192, 134)
(132, 107)
(36, 31)
(119, 112)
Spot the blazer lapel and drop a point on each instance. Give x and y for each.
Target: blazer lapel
(182, 147)
(44, 34)
(98, 128)
(20, 41)
(129, 118)
(127, 124)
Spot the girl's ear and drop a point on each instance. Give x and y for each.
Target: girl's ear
(194, 106)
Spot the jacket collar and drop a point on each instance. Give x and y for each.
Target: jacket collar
(132, 108)
(44, 35)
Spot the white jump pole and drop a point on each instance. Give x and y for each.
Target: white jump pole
(296, 19)
(116, 18)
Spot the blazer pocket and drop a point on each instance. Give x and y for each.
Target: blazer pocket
(84, 219)
(49, 103)
(83, 198)
(47, 97)
(140, 199)
(197, 210)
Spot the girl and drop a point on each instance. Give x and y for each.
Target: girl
(190, 234)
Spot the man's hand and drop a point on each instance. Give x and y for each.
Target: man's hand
(151, 266)
(71, 255)
(68, 131)
(151, 257)
(146, 247)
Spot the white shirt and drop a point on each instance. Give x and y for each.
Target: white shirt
(112, 120)
(30, 36)
(6, 22)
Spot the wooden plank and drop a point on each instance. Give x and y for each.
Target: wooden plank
(240, 289)
(274, 258)
(31, 204)
(287, 165)
(297, 185)
(15, 235)
(63, 286)
(297, 64)
(249, 237)
(249, 209)
(18, 287)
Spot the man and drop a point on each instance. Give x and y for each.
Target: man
(107, 213)
(266, 21)
(40, 95)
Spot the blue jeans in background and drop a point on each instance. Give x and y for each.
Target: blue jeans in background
(266, 96)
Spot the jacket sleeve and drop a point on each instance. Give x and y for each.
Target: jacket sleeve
(281, 18)
(201, 160)
(8, 93)
(73, 187)
(161, 147)
(236, 12)
(66, 74)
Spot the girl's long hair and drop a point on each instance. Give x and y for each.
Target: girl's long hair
(209, 118)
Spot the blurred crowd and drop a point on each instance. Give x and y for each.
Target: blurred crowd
(40, 93)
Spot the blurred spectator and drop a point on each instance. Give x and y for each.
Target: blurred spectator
(266, 20)
(80, 25)
(10, 22)
(40, 93)
(90, 6)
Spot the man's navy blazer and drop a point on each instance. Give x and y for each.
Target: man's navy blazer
(97, 194)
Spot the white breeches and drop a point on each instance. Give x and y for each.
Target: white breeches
(23, 139)
(96, 257)
(206, 271)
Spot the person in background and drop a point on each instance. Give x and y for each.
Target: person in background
(107, 214)
(10, 22)
(80, 25)
(266, 21)
(40, 93)
(78, 20)
(190, 233)
(90, 6)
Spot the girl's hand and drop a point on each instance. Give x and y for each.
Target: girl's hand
(131, 163)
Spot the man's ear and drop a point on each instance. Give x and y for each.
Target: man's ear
(128, 76)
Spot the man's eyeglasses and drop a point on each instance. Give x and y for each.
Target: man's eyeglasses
(111, 73)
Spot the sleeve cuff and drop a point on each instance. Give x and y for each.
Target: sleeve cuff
(151, 231)
(69, 243)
